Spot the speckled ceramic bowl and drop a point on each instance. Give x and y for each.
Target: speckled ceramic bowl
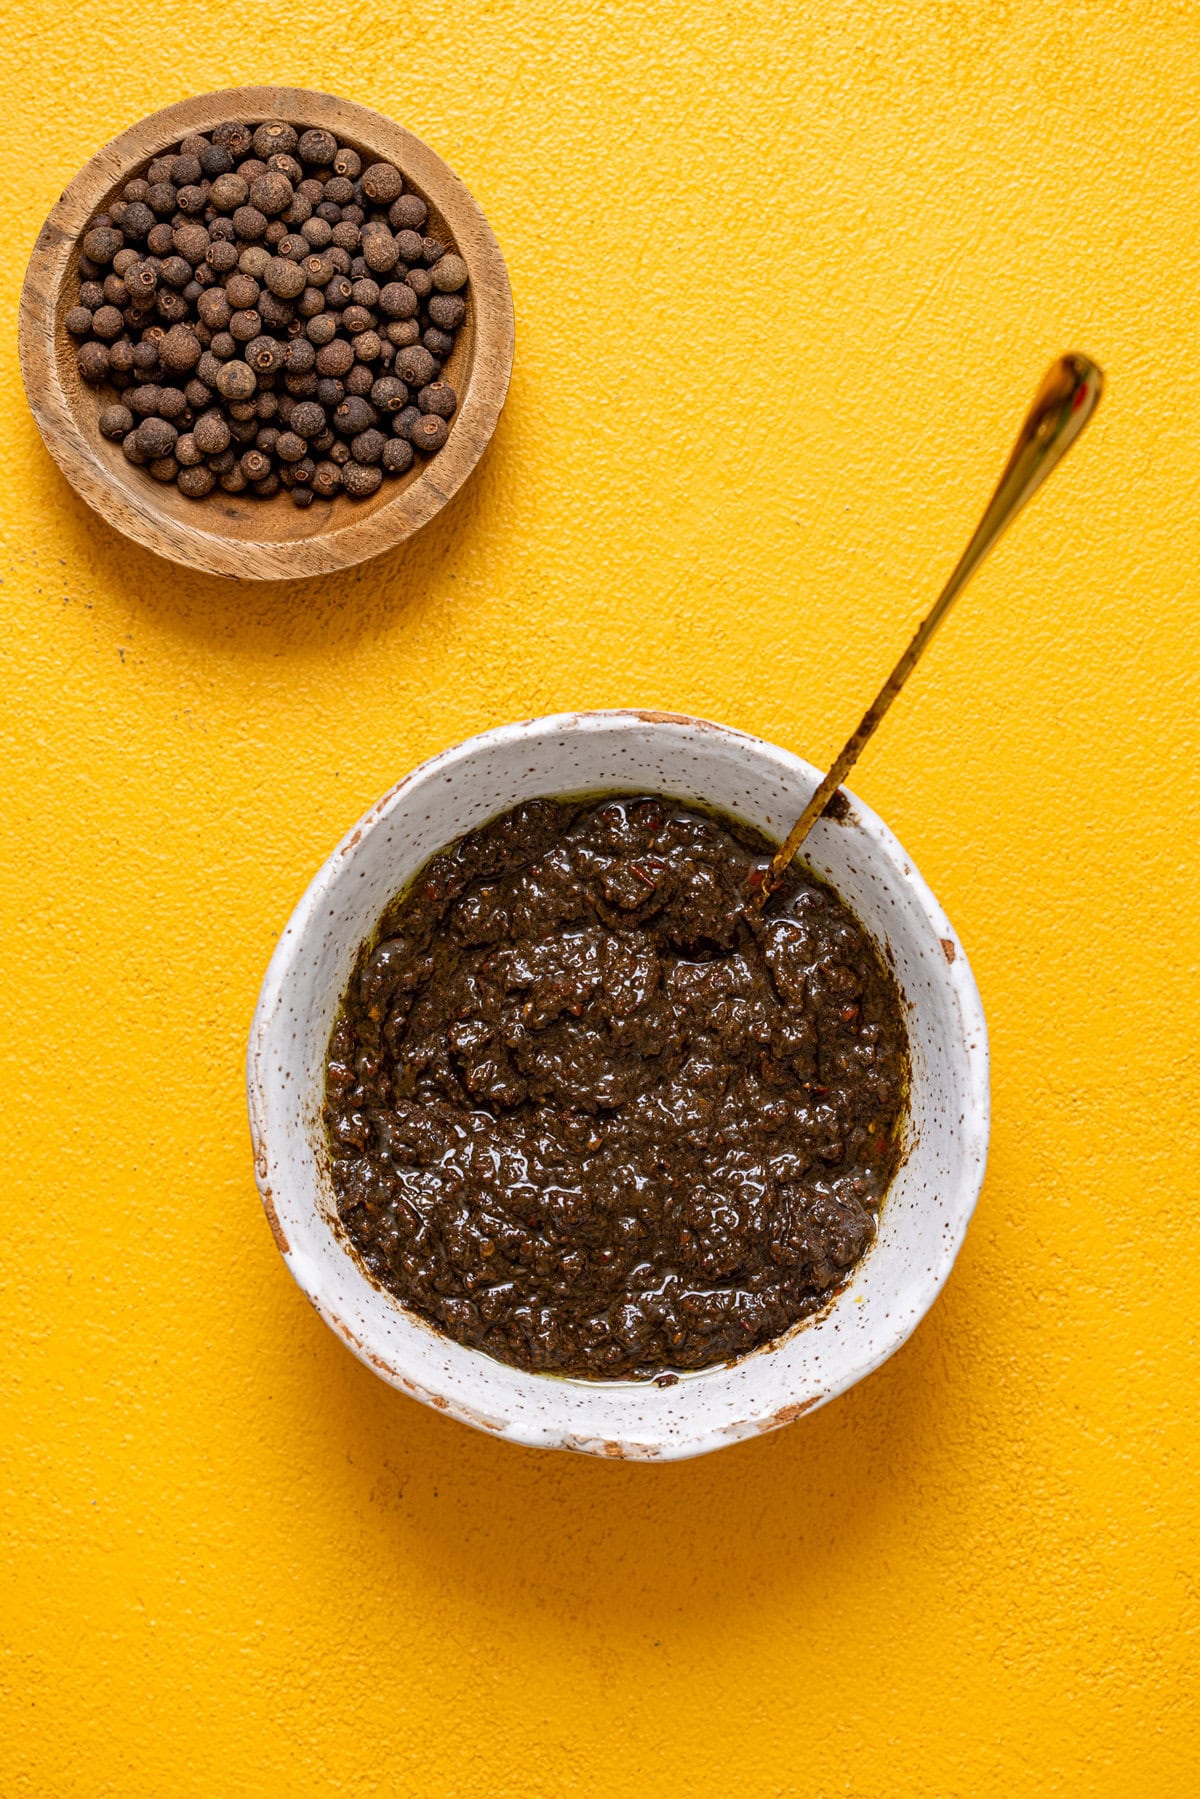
(924, 1217)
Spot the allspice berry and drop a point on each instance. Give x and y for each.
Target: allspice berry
(249, 223)
(236, 381)
(214, 309)
(191, 241)
(286, 280)
(115, 421)
(449, 273)
(327, 479)
(335, 358)
(317, 148)
(276, 314)
(382, 183)
(195, 482)
(319, 270)
(353, 415)
(272, 193)
(234, 137)
(273, 137)
(107, 324)
(211, 434)
(101, 244)
(368, 446)
(397, 455)
(245, 326)
(308, 419)
(447, 311)
(137, 221)
(389, 394)
(361, 482)
(266, 355)
(408, 214)
(438, 397)
(155, 437)
(92, 362)
(180, 349)
(221, 256)
(398, 301)
(241, 291)
(415, 365)
(409, 246)
(381, 252)
(429, 433)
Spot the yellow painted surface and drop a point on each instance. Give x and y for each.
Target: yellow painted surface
(785, 278)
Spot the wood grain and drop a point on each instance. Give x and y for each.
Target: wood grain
(235, 534)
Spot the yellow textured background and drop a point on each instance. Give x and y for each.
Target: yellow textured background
(785, 278)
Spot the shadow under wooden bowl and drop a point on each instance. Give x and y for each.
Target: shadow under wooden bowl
(243, 535)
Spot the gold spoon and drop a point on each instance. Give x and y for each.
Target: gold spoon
(1061, 408)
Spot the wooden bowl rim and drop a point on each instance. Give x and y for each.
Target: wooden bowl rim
(130, 505)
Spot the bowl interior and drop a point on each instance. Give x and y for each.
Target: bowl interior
(923, 1218)
(244, 515)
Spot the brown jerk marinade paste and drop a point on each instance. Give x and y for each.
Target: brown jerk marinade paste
(591, 1112)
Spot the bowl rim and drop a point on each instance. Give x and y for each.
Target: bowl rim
(133, 508)
(971, 1048)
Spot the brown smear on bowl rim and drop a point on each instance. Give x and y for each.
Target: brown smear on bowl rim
(277, 1230)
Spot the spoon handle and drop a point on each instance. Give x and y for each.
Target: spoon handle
(1061, 408)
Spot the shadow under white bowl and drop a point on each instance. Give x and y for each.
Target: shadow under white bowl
(923, 1219)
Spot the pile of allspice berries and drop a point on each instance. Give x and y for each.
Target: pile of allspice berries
(269, 315)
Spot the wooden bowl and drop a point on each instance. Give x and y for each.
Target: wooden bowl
(238, 534)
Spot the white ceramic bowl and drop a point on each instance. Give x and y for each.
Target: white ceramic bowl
(924, 1216)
